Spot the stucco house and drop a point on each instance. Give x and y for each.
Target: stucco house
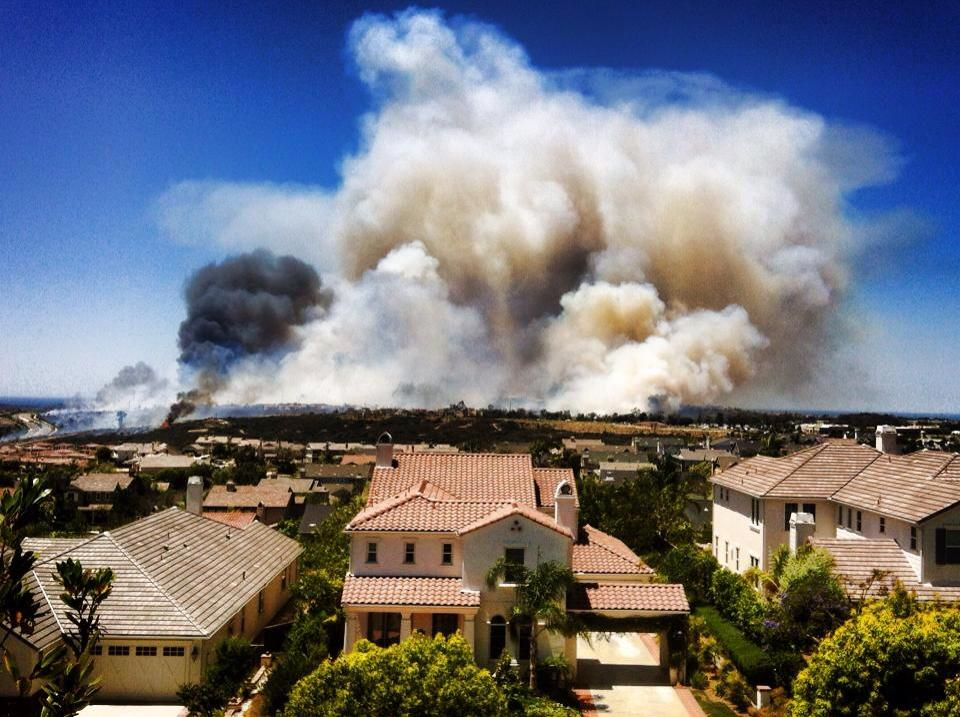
(96, 493)
(435, 523)
(182, 584)
(268, 503)
(870, 507)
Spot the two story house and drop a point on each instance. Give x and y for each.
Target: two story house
(869, 507)
(435, 523)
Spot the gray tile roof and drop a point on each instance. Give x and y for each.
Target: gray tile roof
(177, 574)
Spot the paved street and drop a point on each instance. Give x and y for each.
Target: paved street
(623, 678)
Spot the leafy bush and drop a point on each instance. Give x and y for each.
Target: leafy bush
(693, 568)
(736, 600)
(221, 680)
(733, 687)
(554, 674)
(699, 681)
(303, 650)
(749, 658)
(418, 676)
(544, 707)
(894, 658)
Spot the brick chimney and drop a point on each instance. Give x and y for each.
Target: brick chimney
(194, 494)
(385, 451)
(565, 507)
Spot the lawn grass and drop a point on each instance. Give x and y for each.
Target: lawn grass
(713, 709)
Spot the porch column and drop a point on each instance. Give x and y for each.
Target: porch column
(405, 620)
(469, 631)
(351, 631)
(663, 637)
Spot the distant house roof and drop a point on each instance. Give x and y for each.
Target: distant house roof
(162, 462)
(855, 560)
(247, 497)
(235, 518)
(350, 471)
(357, 459)
(294, 485)
(101, 482)
(910, 487)
(313, 515)
(176, 575)
(467, 476)
(440, 592)
(628, 597)
(625, 467)
(596, 553)
(708, 455)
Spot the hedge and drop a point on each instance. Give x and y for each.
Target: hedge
(749, 658)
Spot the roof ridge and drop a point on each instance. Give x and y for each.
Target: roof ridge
(173, 601)
(72, 547)
(815, 450)
(603, 543)
(47, 598)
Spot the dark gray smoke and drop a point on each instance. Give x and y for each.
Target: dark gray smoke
(130, 379)
(247, 305)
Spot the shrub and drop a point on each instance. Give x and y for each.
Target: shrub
(553, 674)
(303, 650)
(543, 707)
(418, 676)
(893, 658)
(736, 600)
(693, 568)
(699, 681)
(221, 680)
(749, 658)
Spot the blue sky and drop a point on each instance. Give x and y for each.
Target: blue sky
(104, 106)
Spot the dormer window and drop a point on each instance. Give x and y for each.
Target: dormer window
(371, 552)
(447, 555)
(409, 553)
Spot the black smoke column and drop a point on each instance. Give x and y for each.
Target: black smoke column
(243, 306)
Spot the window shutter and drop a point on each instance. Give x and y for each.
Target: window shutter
(941, 546)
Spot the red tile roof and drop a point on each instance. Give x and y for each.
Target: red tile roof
(511, 510)
(468, 476)
(632, 597)
(598, 553)
(370, 590)
(248, 496)
(234, 518)
(547, 480)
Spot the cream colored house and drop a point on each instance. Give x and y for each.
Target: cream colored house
(871, 508)
(182, 584)
(435, 523)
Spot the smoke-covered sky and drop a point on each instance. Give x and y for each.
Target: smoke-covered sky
(585, 238)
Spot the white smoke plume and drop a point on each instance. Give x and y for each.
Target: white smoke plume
(586, 240)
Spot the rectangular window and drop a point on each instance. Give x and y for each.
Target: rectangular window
(726, 552)
(839, 515)
(859, 522)
(515, 559)
(716, 547)
(383, 628)
(118, 650)
(849, 517)
(913, 538)
(146, 651)
(371, 552)
(173, 652)
(97, 650)
(445, 623)
(755, 511)
(447, 555)
(951, 545)
(788, 510)
(737, 560)
(810, 508)
(883, 524)
(754, 562)
(260, 602)
(409, 553)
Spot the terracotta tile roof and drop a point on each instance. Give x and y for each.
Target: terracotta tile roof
(357, 459)
(856, 559)
(633, 597)
(417, 513)
(598, 553)
(511, 510)
(468, 476)
(248, 496)
(101, 482)
(369, 590)
(547, 480)
(912, 487)
(235, 518)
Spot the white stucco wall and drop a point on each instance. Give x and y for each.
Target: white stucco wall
(931, 572)
(390, 553)
(732, 529)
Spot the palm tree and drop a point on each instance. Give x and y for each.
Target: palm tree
(540, 600)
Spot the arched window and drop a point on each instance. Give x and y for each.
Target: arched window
(498, 636)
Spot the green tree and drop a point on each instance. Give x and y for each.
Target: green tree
(540, 600)
(420, 676)
(221, 680)
(304, 648)
(895, 658)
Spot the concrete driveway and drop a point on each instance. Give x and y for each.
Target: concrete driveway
(621, 675)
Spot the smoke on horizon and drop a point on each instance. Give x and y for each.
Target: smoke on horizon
(592, 241)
